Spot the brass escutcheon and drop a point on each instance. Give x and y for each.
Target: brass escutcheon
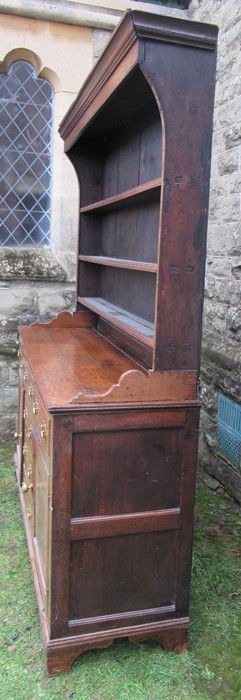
(43, 430)
(35, 407)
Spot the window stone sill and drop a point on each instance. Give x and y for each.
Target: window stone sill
(30, 264)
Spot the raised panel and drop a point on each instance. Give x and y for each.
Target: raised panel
(122, 574)
(126, 471)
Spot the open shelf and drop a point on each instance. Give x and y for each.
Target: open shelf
(138, 327)
(119, 262)
(142, 193)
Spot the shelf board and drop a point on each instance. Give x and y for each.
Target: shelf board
(119, 262)
(137, 327)
(141, 193)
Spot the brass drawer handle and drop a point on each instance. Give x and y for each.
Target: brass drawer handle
(25, 413)
(30, 391)
(35, 407)
(30, 431)
(43, 430)
(25, 376)
(29, 513)
(26, 487)
(25, 449)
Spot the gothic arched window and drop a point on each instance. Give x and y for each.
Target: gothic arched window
(26, 131)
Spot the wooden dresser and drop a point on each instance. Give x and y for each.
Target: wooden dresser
(108, 397)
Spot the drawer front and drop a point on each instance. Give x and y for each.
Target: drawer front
(42, 518)
(35, 473)
(27, 477)
(28, 466)
(27, 428)
(25, 372)
(27, 490)
(27, 444)
(35, 415)
(41, 422)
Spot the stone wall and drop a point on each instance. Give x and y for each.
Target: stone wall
(33, 286)
(36, 284)
(223, 278)
(221, 357)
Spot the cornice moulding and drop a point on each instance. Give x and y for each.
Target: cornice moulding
(135, 25)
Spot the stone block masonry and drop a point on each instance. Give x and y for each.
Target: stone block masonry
(221, 357)
(224, 232)
(33, 287)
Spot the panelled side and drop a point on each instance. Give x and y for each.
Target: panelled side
(184, 87)
(125, 517)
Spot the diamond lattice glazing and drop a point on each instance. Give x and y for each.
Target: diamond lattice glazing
(26, 104)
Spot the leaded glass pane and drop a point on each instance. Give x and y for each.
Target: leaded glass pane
(26, 129)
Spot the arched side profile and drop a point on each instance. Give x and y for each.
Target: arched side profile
(162, 73)
(119, 167)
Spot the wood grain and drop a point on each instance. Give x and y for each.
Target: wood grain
(112, 526)
(142, 192)
(108, 398)
(119, 262)
(78, 366)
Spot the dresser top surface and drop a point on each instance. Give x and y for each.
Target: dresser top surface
(71, 364)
